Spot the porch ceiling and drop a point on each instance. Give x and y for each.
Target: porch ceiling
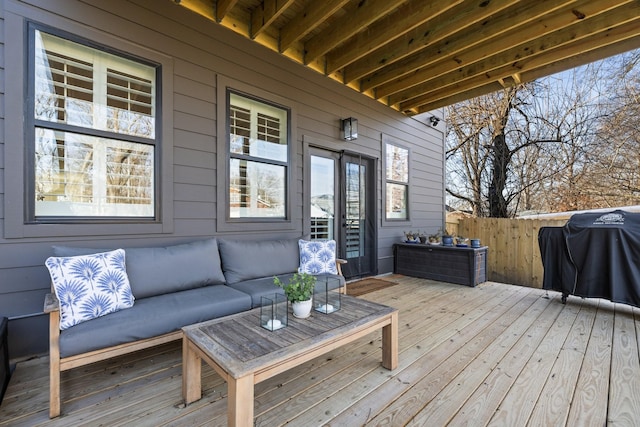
(417, 55)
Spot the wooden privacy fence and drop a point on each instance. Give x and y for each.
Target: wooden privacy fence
(514, 254)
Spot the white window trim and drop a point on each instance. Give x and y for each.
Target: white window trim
(15, 215)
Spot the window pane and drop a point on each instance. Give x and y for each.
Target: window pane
(63, 89)
(240, 124)
(129, 173)
(322, 197)
(396, 201)
(257, 129)
(257, 190)
(397, 163)
(82, 86)
(129, 104)
(81, 175)
(356, 209)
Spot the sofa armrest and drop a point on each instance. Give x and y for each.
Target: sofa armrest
(51, 303)
(339, 263)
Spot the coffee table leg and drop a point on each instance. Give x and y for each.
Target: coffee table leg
(191, 373)
(240, 405)
(390, 343)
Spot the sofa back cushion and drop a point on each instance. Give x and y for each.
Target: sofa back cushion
(161, 270)
(246, 260)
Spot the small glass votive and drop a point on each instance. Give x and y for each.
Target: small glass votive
(274, 313)
(327, 296)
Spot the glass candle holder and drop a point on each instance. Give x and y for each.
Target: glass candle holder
(274, 313)
(327, 296)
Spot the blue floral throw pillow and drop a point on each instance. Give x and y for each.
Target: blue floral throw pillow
(90, 286)
(317, 256)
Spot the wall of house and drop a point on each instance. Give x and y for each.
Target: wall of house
(200, 55)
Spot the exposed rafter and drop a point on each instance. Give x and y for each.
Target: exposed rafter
(305, 22)
(417, 55)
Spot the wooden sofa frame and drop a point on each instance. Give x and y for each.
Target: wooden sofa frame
(58, 364)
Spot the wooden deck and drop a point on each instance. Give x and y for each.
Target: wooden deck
(496, 354)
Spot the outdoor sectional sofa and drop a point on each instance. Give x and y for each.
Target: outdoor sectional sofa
(173, 286)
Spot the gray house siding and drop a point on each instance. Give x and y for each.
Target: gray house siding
(197, 57)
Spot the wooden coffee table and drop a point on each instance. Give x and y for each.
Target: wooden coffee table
(243, 353)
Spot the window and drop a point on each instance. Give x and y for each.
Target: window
(93, 127)
(258, 158)
(397, 182)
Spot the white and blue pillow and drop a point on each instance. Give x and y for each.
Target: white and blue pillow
(317, 257)
(90, 286)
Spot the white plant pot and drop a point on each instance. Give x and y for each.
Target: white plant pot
(302, 309)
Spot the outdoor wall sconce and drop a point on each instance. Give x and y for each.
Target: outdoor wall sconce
(434, 121)
(349, 129)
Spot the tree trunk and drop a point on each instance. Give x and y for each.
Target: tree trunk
(501, 158)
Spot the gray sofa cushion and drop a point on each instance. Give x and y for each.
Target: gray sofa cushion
(155, 271)
(160, 270)
(261, 287)
(264, 287)
(153, 316)
(246, 260)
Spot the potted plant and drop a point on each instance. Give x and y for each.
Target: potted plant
(299, 291)
(447, 238)
(411, 237)
(461, 241)
(434, 239)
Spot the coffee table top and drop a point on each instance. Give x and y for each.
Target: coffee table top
(240, 345)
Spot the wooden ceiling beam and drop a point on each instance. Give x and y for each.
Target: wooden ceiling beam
(401, 54)
(314, 15)
(555, 67)
(406, 17)
(358, 16)
(201, 7)
(444, 25)
(455, 98)
(266, 13)
(444, 73)
(223, 7)
(506, 26)
(526, 67)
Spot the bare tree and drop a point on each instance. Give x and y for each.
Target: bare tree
(565, 142)
(615, 176)
(486, 135)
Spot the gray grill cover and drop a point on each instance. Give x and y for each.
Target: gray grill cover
(594, 255)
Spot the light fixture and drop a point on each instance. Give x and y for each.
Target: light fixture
(349, 129)
(434, 121)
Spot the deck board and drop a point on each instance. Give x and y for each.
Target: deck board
(624, 395)
(593, 382)
(487, 397)
(495, 354)
(553, 405)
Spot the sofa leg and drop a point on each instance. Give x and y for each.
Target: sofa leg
(54, 364)
(54, 393)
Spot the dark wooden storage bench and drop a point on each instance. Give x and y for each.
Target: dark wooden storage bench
(464, 266)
